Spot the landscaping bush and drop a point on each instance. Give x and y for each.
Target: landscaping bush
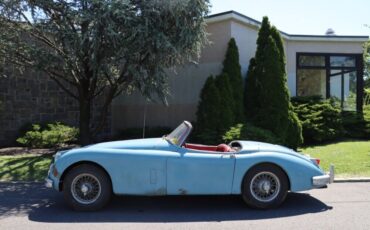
(137, 133)
(208, 113)
(250, 132)
(357, 125)
(231, 67)
(267, 95)
(321, 120)
(221, 100)
(367, 96)
(52, 135)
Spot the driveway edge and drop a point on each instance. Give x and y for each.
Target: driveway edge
(345, 180)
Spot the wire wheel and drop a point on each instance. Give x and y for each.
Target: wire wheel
(265, 186)
(85, 188)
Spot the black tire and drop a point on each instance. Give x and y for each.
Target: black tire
(88, 177)
(265, 186)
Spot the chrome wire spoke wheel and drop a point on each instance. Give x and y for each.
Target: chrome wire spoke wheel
(265, 186)
(85, 188)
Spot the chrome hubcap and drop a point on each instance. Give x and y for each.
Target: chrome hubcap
(265, 186)
(85, 188)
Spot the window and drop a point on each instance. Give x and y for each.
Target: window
(330, 75)
(311, 82)
(311, 60)
(342, 61)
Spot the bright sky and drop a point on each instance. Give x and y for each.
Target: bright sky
(346, 17)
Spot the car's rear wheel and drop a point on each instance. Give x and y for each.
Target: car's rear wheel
(265, 186)
(87, 188)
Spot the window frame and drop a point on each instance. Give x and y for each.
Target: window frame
(358, 68)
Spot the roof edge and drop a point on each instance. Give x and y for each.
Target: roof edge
(294, 37)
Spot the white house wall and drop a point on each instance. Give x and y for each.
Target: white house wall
(245, 37)
(185, 86)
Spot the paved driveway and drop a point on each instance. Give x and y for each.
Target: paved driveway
(341, 206)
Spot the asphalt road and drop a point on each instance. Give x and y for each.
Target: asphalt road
(341, 206)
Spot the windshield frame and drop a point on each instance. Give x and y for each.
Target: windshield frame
(179, 135)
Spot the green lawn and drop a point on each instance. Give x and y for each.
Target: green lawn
(24, 167)
(351, 158)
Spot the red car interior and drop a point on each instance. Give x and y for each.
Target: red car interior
(213, 148)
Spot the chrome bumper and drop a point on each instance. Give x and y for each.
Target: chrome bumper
(321, 181)
(48, 183)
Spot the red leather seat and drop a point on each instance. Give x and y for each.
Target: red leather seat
(201, 147)
(223, 148)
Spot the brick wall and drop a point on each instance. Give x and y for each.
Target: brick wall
(31, 97)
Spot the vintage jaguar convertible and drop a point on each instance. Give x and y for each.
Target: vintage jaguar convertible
(262, 173)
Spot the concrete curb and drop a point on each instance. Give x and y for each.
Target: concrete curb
(345, 180)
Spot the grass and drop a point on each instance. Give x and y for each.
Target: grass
(351, 158)
(24, 167)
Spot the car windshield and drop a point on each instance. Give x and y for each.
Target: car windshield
(179, 135)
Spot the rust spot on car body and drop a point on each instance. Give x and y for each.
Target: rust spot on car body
(158, 192)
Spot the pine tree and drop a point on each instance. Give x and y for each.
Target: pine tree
(250, 94)
(231, 67)
(208, 113)
(267, 95)
(226, 116)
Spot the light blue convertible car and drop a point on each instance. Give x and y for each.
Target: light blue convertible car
(261, 173)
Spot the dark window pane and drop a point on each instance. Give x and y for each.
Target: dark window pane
(338, 61)
(311, 82)
(346, 93)
(318, 61)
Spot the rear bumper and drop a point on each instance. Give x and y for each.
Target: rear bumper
(322, 181)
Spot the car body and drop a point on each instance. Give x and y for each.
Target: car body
(169, 166)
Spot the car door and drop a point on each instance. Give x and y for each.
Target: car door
(196, 172)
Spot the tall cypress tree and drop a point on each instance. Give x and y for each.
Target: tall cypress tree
(208, 113)
(226, 116)
(267, 96)
(231, 67)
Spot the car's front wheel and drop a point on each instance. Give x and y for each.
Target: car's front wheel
(265, 186)
(87, 188)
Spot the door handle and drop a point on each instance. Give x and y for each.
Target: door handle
(231, 156)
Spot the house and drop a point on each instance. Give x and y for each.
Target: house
(326, 65)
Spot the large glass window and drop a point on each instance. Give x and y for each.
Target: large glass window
(342, 61)
(343, 88)
(311, 60)
(329, 75)
(311, 82)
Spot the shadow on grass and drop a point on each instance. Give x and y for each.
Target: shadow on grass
(25, 168)
(45, 205)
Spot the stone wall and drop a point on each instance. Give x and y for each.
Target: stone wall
(31, 97)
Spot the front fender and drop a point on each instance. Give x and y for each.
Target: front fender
(299, 170)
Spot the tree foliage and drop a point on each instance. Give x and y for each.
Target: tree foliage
(231, 67)
(101, 48)
(208, 112)
(267, 95)
(367, 65)
(215, 114)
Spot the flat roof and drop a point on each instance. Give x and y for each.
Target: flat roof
(227, 15)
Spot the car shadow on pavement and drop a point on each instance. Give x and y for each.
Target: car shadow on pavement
(44, 205)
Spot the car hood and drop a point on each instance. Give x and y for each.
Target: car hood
(254, 146)
(148, 143)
